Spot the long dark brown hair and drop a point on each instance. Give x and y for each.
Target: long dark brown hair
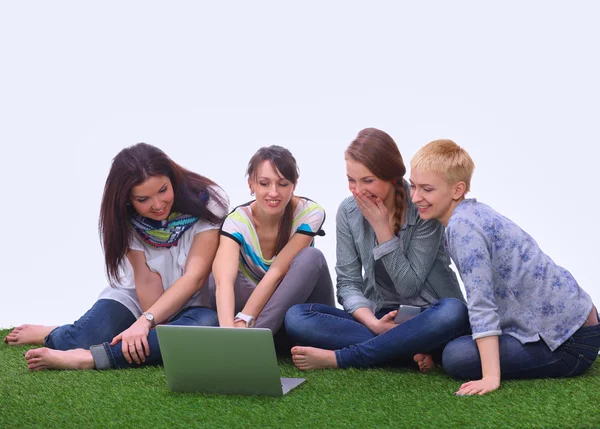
(283, 163)
(377, 151)
(131, 167)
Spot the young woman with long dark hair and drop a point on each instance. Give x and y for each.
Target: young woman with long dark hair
(159, 225)
(266, 262)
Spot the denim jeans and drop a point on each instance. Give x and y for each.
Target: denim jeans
(531, 360)
(104, 321)
(356, 346)
(106, 356)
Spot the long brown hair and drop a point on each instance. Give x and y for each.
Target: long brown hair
(377, 151)
(283, 163)
(131, 167)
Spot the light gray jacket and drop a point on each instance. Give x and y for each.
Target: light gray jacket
(414, 259)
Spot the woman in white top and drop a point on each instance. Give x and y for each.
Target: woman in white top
(266, 263)
(159, 225)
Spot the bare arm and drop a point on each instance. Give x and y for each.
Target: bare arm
(489, 353)
(148, 284)
(265, 288)
(197, 268)
(196, 272)
(225, 269)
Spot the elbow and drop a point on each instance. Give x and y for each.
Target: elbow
(221, 284)
(196, 279)
(277, 273)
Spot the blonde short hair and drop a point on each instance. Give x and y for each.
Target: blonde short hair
(447, 159)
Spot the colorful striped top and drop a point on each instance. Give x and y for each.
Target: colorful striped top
(308, 219)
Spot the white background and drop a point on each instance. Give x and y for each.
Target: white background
(516, 83)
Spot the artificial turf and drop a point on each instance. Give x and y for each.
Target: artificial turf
(381, 397)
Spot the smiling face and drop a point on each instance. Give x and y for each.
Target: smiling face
(273, 191)
(362, 180)
(153, 198)
(435, 198)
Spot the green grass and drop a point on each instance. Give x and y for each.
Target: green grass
(333, 398)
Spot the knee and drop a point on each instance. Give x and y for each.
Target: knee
(197, 316)
(296, 314)
(455, 311)
(310, 256)
(460, 359)
(295, 318)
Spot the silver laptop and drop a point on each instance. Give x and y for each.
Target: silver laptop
(222, 360)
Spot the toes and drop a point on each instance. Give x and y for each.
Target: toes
(35, 353)
(36, 367)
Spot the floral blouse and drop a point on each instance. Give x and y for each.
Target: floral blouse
(512, 286)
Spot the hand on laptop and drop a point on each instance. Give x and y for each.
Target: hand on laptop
(240, 324)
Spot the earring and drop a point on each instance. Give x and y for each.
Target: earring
(252, 194)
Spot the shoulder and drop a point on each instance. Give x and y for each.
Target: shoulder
(306, 206)
(216, 192)
(348, 208)
(309, 216)
(468, 212)
(474, 222)
(412, 214)
(238, 218)
(136, 242)
(218, 202)
(476, 215)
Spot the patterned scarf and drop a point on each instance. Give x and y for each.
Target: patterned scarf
(165, 233)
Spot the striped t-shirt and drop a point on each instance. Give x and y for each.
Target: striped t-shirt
(308, 219)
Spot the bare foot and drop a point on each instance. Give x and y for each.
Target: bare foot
(313, 358)
(28, 334)
(424, 361)
(45, 358)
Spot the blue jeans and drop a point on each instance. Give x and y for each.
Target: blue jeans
(107, 319)
(356, 346)
(531, 360)
(104, 321)
(191, 316)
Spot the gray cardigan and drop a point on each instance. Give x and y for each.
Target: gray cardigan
(414, 259)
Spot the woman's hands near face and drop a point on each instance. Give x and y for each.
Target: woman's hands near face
(376, 213)
(373, 209)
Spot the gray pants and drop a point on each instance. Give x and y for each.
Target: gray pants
(307, 280)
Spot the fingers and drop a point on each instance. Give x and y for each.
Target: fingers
(139, 355)
(132, 350)
(390, 316)
(125, 350)
(362, 200)
(146, 345)
(115, 340)
(380, 204)
(135, 350)
(473, 388)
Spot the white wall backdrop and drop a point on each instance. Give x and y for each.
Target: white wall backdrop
(516, 83)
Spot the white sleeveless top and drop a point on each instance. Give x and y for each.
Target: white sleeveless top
(168, 263)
